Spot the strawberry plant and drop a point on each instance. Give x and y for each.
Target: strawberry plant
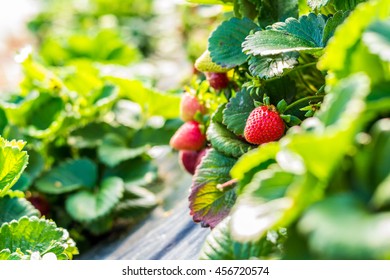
(89, 142)
(24, 235)
(297, 161)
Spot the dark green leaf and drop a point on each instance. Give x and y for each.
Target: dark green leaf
(377, 39)
(237, 111)
(68, 176)
(266, 67)
(225, 42)
(3, 121)
(137, 171)
(303, 35)
(223, 140)
(209, 204)
(114, 150)
(46, 113)
(346, 5)
(156, 136)
(87, 206)
(15, 208)
(226, 141)
(331, 25)
(277, 10)
(246, 8)
(88, 136)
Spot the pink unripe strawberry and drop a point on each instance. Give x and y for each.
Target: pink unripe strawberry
(191, 159)
(188, 137)
(189, 106)
(263, 125)
(217, 81)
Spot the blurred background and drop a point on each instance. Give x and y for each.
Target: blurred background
(93, 87)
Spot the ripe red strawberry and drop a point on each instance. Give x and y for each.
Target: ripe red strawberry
(191, 159)
(189, 106)
(264, 125)
(188, 137)
(217, 80)
(41, 203)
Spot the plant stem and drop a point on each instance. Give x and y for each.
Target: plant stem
(229, 184)
(295, 103)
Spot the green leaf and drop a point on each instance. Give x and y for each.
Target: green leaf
(277, 10)
(226, 141)
(219, 245)
(344, 100)
(87, 206)
(237, 111)
(377, 39)
(317, 4)
(339, 227)
(381, 196)
(331, 24)
(210, 2)
(225, 42)
(152, 101)
(223, 140)
(208, 204)
(266, 67)
(138, 171)
(15, 208)
(246, 8)
(12, 163)
(303, 35)
(29, 235)
(156, 136)
(114, 150)
(3, 121)
(346, 5)
(88, 136)
(255, 158)
(262, 203)
(6, 254)
(344, 54)
(138, 201)
(68, 176)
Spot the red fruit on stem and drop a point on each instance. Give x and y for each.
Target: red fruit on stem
(217, 81)
(40, 203)
(264, 125)
(188, 137)
(189, 106)
(191, 159)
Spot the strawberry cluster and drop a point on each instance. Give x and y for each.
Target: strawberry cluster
(190, 138)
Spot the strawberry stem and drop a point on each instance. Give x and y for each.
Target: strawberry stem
(303, 100)
(227, 185)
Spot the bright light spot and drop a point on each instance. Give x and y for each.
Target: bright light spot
(290, 162)
(23, 54)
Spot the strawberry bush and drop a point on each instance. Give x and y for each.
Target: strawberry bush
(295, 134)
(23, 234)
